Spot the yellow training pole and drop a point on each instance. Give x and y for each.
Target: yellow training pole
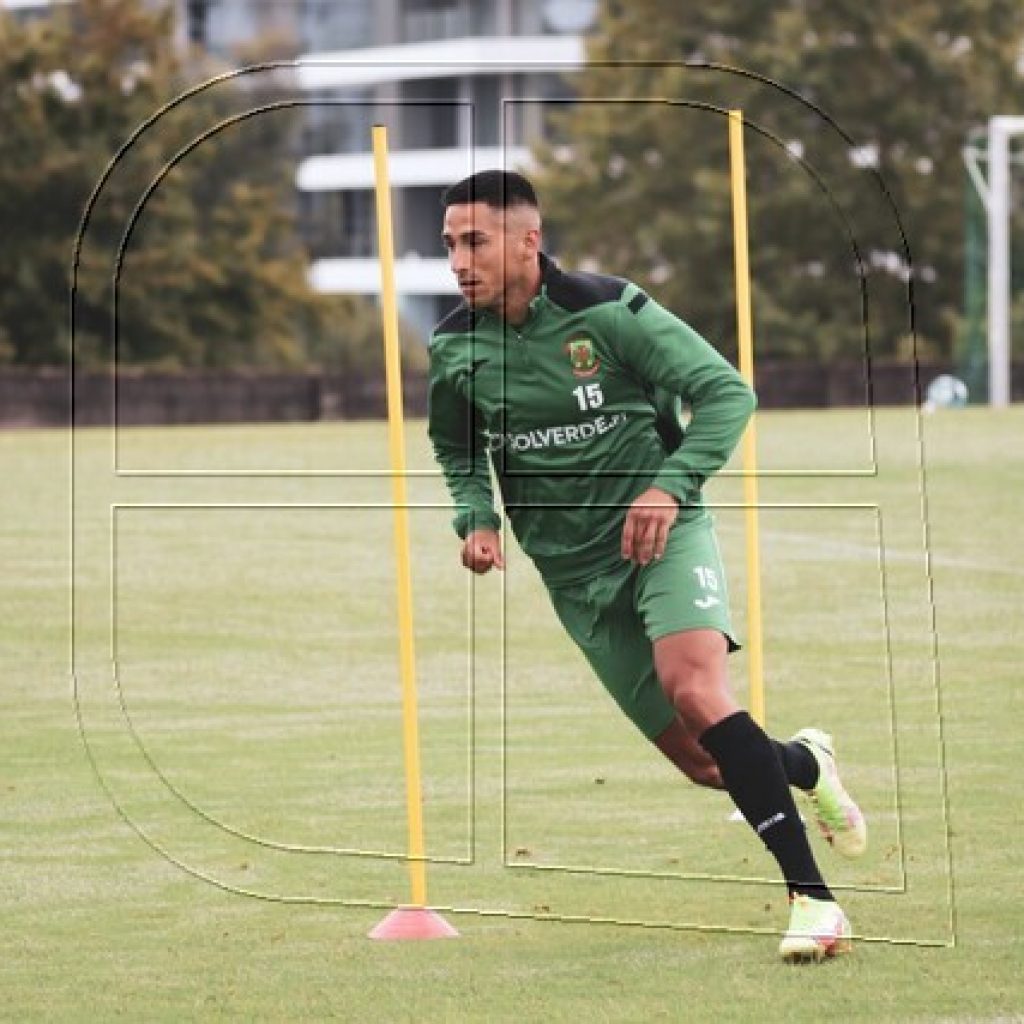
(396, 444)
(745, 326)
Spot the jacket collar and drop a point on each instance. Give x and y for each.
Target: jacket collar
(550, 271)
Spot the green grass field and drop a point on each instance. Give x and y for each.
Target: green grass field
(236, 822)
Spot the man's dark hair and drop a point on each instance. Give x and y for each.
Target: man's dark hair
(498, 189)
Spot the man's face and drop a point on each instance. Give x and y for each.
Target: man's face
(490, 250)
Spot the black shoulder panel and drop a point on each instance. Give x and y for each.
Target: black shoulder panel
(577, 291)
(460, 320)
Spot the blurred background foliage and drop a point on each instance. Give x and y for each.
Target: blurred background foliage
(635, 176)
(211, 271)
(633, 179)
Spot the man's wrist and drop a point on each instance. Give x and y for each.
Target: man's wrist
(669, 494)
(679, 486)
(471, 520)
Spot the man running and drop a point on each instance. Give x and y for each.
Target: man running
(571, 386)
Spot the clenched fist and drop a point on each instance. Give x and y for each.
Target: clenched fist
(481, 551)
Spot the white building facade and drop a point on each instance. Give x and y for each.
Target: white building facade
(463, 85)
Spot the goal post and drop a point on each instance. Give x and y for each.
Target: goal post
(995, 195)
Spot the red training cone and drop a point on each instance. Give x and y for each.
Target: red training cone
(413, 923)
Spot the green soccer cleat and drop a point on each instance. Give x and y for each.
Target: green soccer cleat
(817, 929)
(838, 817)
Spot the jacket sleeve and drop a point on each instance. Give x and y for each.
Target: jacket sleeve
(665, 352)
(460, 447)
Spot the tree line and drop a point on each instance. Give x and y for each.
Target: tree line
(856, 112)
(186, 228)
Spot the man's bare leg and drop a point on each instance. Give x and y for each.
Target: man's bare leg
(683, 750)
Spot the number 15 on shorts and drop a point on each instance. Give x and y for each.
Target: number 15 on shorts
(707, 580)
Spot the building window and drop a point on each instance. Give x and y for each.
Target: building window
(338, 224)
(357, 223)
(421, 222)
(487, 109)
(438, 19)
(197, 21)
(336, 24)
(569, 17)
(338, 123)
(431, 119)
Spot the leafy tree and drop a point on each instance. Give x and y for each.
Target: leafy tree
(903, 82)
(212, 272)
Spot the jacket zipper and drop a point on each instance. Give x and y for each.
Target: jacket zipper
(521, 333)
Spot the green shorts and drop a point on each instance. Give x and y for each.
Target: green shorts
(615, 618)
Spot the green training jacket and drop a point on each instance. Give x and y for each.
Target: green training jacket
(578, 411)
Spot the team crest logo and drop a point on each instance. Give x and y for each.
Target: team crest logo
(582, 358)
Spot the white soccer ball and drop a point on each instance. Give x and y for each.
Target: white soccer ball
(945, 392)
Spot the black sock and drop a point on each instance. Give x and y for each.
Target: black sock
(798, 763)
(753, 775)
